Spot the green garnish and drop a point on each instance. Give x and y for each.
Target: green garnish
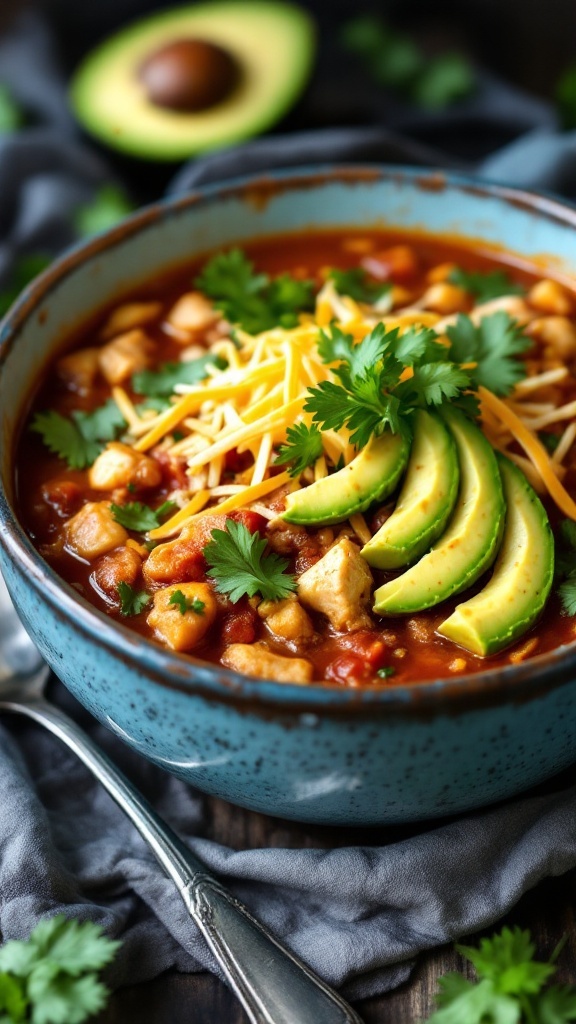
(132, 601)
(80, 439)
(255, 302)
(371, 395)
(239, 565)
(386, 672)
(139, 517)
(565, 565)
(11, 116)
(565, 95)
(395, 61)
(358, 285)
(184, 604)
(23, 271)
(510, 986)
(161, 383)
(52, 978)
(549, 440)
(303, 447)
(485, 286)
(109, 205)
(493, 346)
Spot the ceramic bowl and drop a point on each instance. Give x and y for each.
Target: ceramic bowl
(320, 753)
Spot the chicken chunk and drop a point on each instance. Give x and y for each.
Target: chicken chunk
(119, 566)
(182, 623)
(287, 619)
(339, 587)
(78, 370)
(128, 316)
(125, 355)
(255, 660)
(119, 465)
(192, 314)
(93, 531)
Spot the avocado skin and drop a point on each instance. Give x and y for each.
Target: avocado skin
(474, 532)
(426, 500)
(518, 589)
(370, 477)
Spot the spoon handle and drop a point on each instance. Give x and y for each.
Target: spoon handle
(272, 984)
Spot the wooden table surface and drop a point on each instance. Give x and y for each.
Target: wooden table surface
(548, 911)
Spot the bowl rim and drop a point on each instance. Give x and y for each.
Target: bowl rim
(518, 683)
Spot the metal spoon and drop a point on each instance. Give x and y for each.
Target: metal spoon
(272, 984)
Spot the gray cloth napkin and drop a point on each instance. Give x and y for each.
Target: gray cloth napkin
(358, 910)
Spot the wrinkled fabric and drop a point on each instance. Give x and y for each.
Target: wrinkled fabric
(357, 913)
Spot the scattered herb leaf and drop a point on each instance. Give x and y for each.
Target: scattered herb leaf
(24, 270)
(358, 285)
(493, 346)
(510, 986)
(565, 565)
(11, 116)
(445, 79)
(302, 449)
(132, 601)
(161, 383)
(184, 604)
(239, 565)
(108, 206)
(80, 439)
(485, 286)
(139, 517)
(565, 95)
(255, 302)
(386, 672)
(52, 978)
(549, 440)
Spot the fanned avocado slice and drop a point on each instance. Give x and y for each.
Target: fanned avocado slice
(371, 476)
(469, 544)
(515, 595)
(426, 500)
(126, 91)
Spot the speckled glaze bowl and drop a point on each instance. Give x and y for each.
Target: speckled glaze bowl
(313, 753)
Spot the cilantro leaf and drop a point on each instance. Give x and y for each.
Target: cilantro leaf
(13, 1000)
(493, 346)
(433, 384)
(80, 439)
(239, 565)
(445, 79)
(134, 515)
(11, 116)
(485, 286)
(507, 959)
(567, 593)
(108, 206)
(161, 383)
(132, 601)
(302, 449)
(557, 1005)
(184, 604)
(358, 285)
(476, 1004)
(565, 95)
(254, 301)
(385, 673)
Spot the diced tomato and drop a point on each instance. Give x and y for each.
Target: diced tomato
(347, 668)
(174, 474)
(253, 521)
(367, 645)
(236, 462)
(64, 496)
(398, 263)
(239, 626)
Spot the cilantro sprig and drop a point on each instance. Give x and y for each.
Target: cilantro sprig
(79, 439)
(485, 285)
(303, 447)
(108, 205)
(160, 383)
(52, 978)
(493, 346)
(253, 301)
(137, 516)
(374, 391)
(510, 986)
(358, 285)
(565, 565)
(240, 565)
(132, 601)
(185, 604)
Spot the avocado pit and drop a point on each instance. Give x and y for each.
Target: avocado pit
(189, 75)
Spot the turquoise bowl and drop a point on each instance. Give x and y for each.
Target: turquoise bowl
(312, 753)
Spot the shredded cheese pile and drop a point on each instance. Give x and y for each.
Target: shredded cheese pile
(248, 407)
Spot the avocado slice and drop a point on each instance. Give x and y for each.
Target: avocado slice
(371, 476)
(269, 42)
(426, 500)
(523, 573)
(470, 543)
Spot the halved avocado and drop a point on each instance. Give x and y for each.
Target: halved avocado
(371, 476)
(119, 92)
(470, 543)
(523, 573)
(426, 500)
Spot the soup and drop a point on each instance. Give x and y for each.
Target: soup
(338, 458)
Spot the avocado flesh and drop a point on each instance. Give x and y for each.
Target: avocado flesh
(469, 544)
(516, 593)
(426, 500)
(271, 41)
(371, 476)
